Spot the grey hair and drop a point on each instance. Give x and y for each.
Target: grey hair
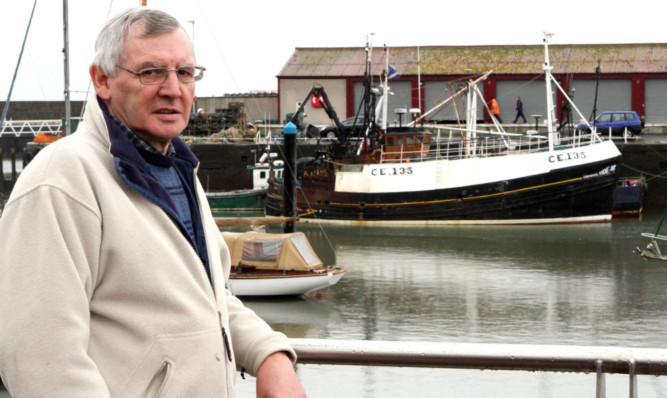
(110, 43)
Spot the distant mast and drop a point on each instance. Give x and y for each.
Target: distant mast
(18, 63)
(68, 109)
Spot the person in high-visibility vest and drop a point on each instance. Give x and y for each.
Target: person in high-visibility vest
(495, 109)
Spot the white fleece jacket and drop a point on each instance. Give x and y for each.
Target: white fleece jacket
(101, 294)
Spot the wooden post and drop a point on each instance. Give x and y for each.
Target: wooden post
(289, 177)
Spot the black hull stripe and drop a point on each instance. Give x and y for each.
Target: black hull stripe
(462, 199)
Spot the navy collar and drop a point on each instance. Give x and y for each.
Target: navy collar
(128, 146)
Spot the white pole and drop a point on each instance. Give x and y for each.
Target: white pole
(68, 110)
(192, 21)
(419, 81)
(550, 101)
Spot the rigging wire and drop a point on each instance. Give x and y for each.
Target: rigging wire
(90, 81)
(217, 45)
(36, 75)
(311, 212)
(25, 38)
(253, 100)
(661, 175)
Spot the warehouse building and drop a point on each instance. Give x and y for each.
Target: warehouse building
(632, 77)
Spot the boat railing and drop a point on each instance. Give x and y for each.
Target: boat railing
(454, 144)
(261, 139)
(515, 357)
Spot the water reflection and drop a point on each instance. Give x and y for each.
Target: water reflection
(298, 317)
(563, 284)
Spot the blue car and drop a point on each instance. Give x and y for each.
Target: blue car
(618, 121)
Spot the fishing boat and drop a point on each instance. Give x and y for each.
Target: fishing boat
(652, 249)
(398, 175)
(284, 264)
(630, 195)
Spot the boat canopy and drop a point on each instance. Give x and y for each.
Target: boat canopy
(290, 251)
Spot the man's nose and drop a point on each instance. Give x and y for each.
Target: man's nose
(171, 86)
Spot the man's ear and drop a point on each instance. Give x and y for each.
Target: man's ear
(100, 82)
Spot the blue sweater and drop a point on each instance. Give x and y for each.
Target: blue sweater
(167, 181)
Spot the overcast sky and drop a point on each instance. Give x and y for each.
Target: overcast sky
(244, 43)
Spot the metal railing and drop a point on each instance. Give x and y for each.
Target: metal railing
(18, 128)
(453, 145)
(541, 358)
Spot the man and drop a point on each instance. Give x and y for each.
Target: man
(495, 109)
(113, 280)
(519, 110)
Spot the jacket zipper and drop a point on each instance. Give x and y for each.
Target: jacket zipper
(225, 339)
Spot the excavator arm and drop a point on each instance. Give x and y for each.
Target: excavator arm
(318, 91)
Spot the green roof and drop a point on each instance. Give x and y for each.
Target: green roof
(455, 60)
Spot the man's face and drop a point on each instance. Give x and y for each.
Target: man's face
(156, 113)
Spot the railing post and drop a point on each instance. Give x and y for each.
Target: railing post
(13, 159)
(2, 171)
(600, 387)
(633, 378)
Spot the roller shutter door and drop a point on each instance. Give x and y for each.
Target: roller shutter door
(656, 100)
(613, 95)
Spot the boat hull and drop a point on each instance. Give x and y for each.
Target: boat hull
(282, 283)
(582, 192)
(247, 200)
(630, 195)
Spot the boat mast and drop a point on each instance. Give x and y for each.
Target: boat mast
(367, 80)
(68, 109)
(551, 117)
(471, 119)
(419, 81)
(385, 90)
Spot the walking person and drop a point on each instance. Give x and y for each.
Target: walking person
(519, 110)
(495, 109)
(114, 278)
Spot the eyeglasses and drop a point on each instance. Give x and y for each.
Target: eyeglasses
(185, 74)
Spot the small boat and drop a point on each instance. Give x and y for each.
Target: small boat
(237, 200)
(630, 195)
(248, 199)
(652, 249)
(284, 264)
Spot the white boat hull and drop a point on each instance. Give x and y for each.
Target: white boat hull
(281, 285)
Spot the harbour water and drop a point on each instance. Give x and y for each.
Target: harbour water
(555, 285)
